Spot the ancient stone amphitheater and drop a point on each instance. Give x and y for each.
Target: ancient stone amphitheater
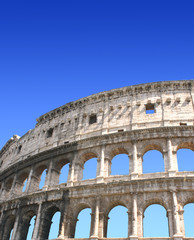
(130, 120)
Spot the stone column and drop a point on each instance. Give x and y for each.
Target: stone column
(92, 225)
(13, 187)
(134, 173)
(170, 222)
(29, 179)
(95, 220)
(54, 177)
(71, 227)
(48, 176)
(177, 233)
(134, 218)
(105, 219)
(70, 179)
(166, 161)
(78, 172)
(182, 226)
(1, 219)
(107, 166)
(140, 216)
(101, 166)
(37, 223)
(102, 229)
(33, 183)
(64, 227)
(171, 168)
(129, 212)
(16, 224)
(2, 191)
(98, 168)
(44, 227)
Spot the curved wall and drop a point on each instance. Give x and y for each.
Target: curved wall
(131, 120)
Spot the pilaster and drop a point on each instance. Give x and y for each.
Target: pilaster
(37, 223)
(134, 216)
(177, 233)
(134, 173)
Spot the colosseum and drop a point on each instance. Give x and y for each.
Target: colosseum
(130, 120)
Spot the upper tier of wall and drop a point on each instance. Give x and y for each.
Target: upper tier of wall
(122, 109)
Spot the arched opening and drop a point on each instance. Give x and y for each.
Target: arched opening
(7, 227)
(120, 165)
(8, 184)
(26, 225)
(153, 162)
(64, 174)
(42, 179)
(54, 229)
(48, 220)
(189, 220)
(185, 159)
(31, 228)
(11, 234)
(89, 170)
(22, 182)
(83, 225)
(155, 222)
(24, 185)
(118, 222)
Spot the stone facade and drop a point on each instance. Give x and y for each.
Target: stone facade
(102, 126)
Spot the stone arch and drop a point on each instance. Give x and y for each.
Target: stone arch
(187, 145)
(25, 223)
(107, 224)
(114, 203)
(38, 173)
(81, 207)
(21, 179)
(60, 163)
(152, 149)
(47, 215)
(7, 186)
(117, 150)
(153, 201)
(188, 218)
(39, 169)
(7, 226)
(162, 223)
(58, 167)
(185, 156)
(188, 200)
(84, 157)
(77, 208)
(152, 146)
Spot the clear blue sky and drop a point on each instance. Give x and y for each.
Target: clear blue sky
(54, 52)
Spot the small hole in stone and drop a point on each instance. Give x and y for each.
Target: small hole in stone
(93, 119)
(49, 133)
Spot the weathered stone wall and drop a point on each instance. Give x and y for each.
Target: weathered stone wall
(102, 126)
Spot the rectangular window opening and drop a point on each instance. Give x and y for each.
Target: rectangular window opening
(183, 124)
(93, 119)
(49, 133)
(150, 108)
(121, 130)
